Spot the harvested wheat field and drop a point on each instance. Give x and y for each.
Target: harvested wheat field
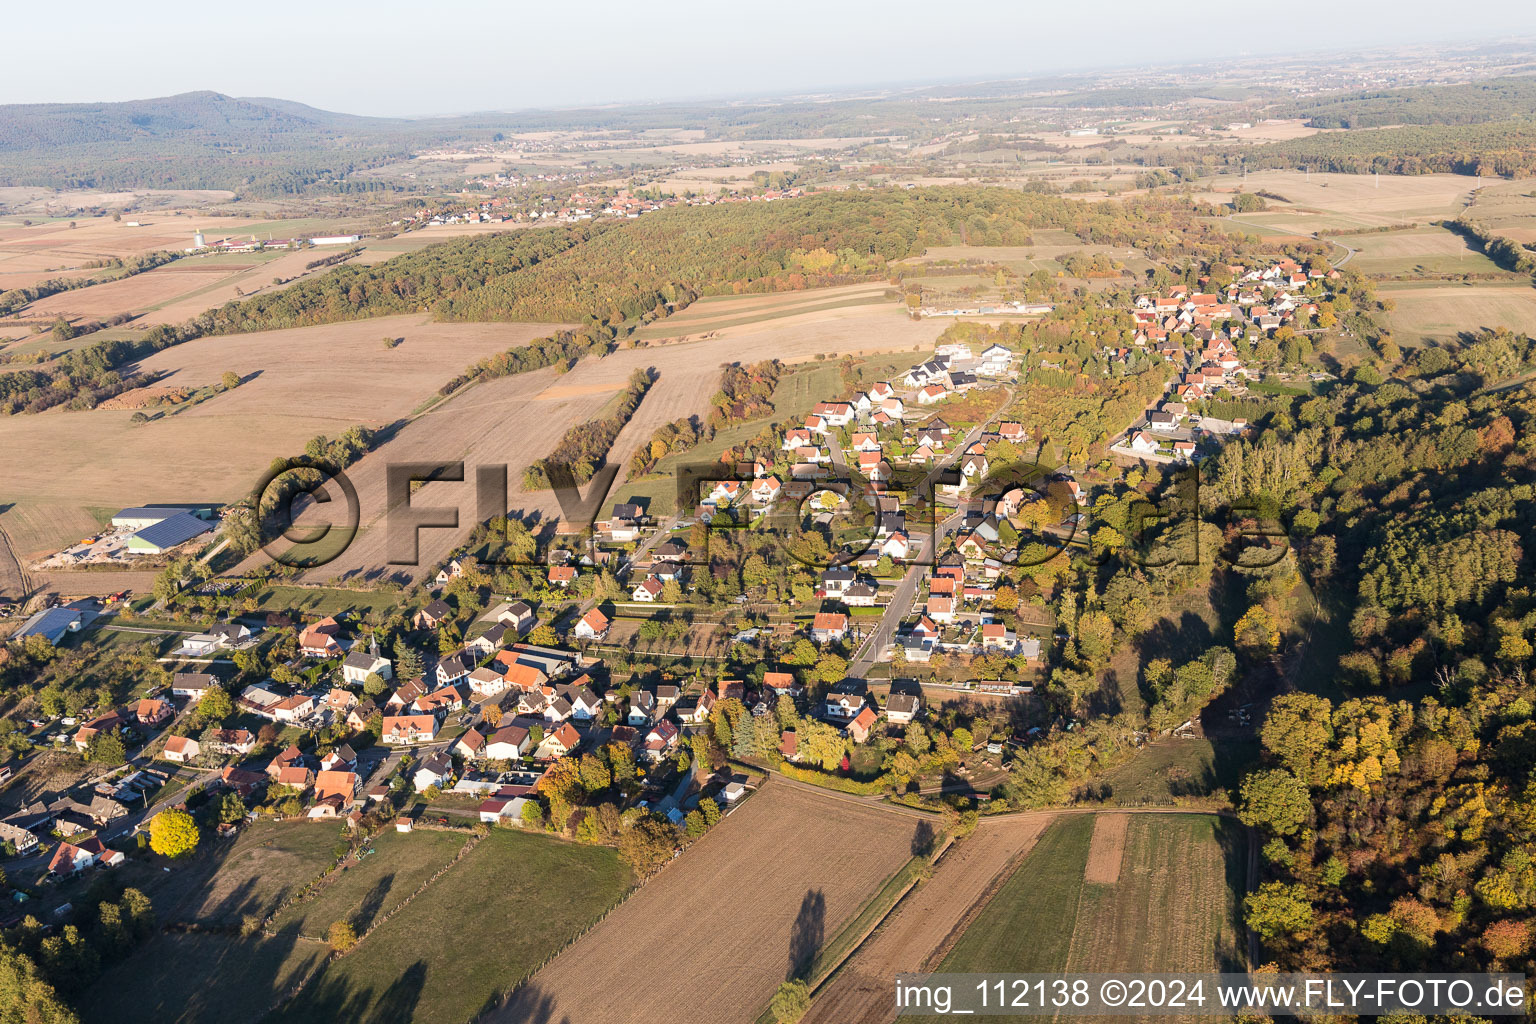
(805, 861)
(711, 316)
(515, 420)
(298, 383)
(923, 924)
(1341, 201)
(37, 530)
(141, 292)
(1106, 850)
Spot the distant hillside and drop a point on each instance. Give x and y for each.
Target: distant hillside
(194, 140)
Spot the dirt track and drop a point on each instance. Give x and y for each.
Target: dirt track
(1106, 850)
(924, 923)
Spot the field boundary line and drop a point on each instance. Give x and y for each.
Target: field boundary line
(987, 894)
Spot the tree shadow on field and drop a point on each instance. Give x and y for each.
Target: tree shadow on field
(528, 1005)
(373, 902)
(806, 936)
(923, 839)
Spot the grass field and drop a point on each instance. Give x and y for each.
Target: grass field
(1442, 312)
(478, 930)
(1176, 769)
(1173, 906)
(1427, 250)
(194, 978)
(494, 916)
(270, 860)
(808, 861)
(398, 866)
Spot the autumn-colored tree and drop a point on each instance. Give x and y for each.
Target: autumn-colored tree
(173, 833)
(341, 937)
(1256, 633)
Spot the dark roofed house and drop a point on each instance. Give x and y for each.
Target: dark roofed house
(432, 616)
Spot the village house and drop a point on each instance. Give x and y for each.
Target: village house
(360, 714)
(432, 616)
(319, 640)
(593, 626)
(862, 723)
(508, 743)
(71, 858)
(435, 770)
(932, 394)
(153, 713)
(558, 742)
(647, 590)
(845, 700)
(406, 729)
(440, 701)
(180, 749)
(192, 685)
(789, 745)
(659, 741)
(338, 783)
(901, 708)
(340, 759)
(242, 781)
(232, 741)
(293, 709)
(470, 746)
(109, 722)
(487, 681)
(453, 667)
(829, 626)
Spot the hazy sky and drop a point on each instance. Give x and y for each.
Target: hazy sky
(393, 57)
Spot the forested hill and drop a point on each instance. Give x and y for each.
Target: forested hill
(210, 116)
(194, 140)
(1469, 103)
(623, 270)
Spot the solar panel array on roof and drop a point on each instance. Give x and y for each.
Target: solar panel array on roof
(168, 533)
(148, 512)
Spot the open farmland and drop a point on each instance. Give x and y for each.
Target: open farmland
(716, 313)
(1426, 250)
(808, 860)
(1175, 904)
(1445, 311)
(299, 383)
(860, 993)
(475, 932)
(1344, 201)
(515, 420)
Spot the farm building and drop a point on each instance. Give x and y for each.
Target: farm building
(51, 623)
(168, 533)
(145, 516)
